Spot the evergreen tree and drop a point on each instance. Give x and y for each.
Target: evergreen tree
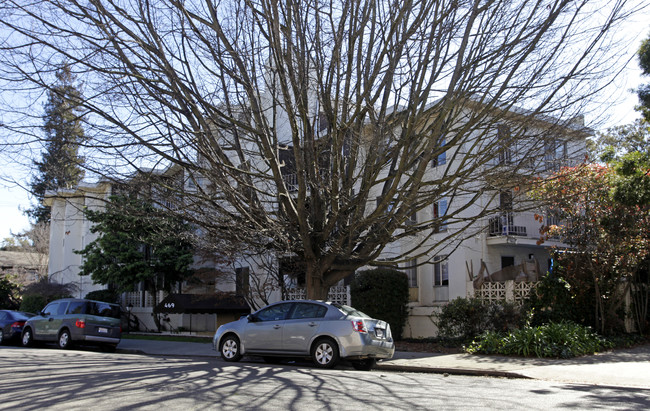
(644, 90)
(60, 164)
(137, 245)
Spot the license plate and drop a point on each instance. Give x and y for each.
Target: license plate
(102, 330)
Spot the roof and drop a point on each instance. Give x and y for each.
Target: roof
(202, 304)
(19, 259)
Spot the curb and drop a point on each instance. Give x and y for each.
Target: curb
(450, 371)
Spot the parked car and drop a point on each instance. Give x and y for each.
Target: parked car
(11, 325)
(324, 331)
(71, 320)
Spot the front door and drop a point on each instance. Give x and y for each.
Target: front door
(44, 322)
(264, 332)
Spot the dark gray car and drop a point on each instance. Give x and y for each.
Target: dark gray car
(72, 320)
(323, 331)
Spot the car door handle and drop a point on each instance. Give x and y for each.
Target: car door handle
(312, 324)
(51, 319)
(277, 326)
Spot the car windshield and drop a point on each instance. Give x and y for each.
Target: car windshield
(347, 310)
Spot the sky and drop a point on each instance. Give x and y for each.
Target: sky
(14, 198)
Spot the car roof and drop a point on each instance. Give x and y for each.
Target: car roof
(83, 299)
(303, 301)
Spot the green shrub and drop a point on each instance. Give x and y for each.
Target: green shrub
(107, 296)
(33, 303)
(466, 318)
(37, 295)
(554, 340)
(8, 294)
(552, 301)
(382, 293)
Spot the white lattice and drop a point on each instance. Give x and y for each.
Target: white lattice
(490, 292)
(506, 291)
(339, 295)
(522, 291)
(135, 299)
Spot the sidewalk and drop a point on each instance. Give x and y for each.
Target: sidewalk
(621, 368)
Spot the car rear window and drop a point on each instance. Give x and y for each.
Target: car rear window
(347, 310)
(306, 310)
(103, 309)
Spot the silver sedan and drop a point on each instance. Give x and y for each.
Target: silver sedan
(324, 331)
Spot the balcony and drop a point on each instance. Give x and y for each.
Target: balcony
(511, 228)
(504, 225)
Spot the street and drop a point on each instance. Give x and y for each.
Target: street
(39, 378)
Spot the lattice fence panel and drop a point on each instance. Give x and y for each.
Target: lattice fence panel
(490, 292)
(340, 295)
(522, 290)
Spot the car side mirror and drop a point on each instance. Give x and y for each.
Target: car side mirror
(251, 318)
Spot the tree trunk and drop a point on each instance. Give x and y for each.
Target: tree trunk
(599, 309)
(316, 289)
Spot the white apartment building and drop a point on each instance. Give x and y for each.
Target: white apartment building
(506, 237)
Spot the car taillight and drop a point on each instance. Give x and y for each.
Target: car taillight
(80, 323)
(18, 324)
(359, 326)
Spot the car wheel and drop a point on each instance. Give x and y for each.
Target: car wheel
(2, 336)
(65, 340)
(325, 353)
(364, 365)
(230, 348)
(28, 337)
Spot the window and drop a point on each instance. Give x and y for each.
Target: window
(551, 219)
(50, 309)
(412, 219)
(440, 271)
(505, 200)
(274, 313)
(555, 153)
(305, 310)
(61, 309)
(412, 273)
(242, 280)
(504, 144)
(76, 307)
(439, 211)
(441, 159)
(103, 309)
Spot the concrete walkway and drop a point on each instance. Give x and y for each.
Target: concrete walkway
(620, 368)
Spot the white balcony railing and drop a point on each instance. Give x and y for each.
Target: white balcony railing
(507, 225)
(516, 224)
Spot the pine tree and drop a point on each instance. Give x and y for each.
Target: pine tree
(60, 165)
(644, 90)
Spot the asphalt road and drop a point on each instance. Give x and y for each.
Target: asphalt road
(48, 378)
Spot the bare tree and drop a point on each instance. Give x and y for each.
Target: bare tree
(35, 244)
(317, 129)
